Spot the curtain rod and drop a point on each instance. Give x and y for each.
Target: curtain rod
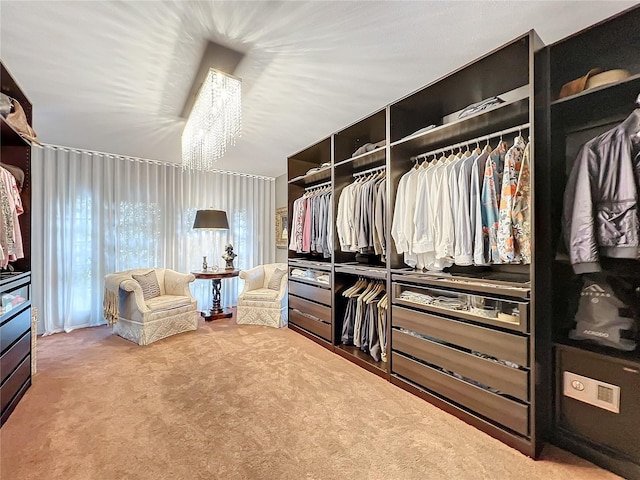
(146, 160)
(371, 170)
(320, 185)
(518, 128)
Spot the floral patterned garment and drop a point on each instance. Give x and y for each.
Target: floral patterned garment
(6, 228)
(490, 202)
(297, 225)
(522, 211)
(506, 240)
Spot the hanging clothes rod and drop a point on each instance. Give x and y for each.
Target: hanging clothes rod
(486, 138)
(320, 185)
(371, 170)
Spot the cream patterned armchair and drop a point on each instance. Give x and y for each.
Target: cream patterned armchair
(264, 298)
(145, 305)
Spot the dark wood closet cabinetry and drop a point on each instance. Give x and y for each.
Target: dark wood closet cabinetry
(15, 286)
(591, 427)
(486, 340)
(491, 369)
(492, 372)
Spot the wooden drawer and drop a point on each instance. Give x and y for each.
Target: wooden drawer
(496, 408)
(13, 384)
(13, 329)
(321, 312)
(316, 294)
(507, 380)
(511, 314)
(502, 345)
(14, 295)
(14, 356)
(316, 327)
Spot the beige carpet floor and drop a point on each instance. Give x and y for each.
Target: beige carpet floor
(228, 402)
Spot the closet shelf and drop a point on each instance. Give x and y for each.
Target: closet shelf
(298, 262)
(11, 137)
(366, 159)
(502, 287)
(501, 117)
(308, 281)
(362, 359)
(629, 87)
(609, 353)
(312, 178)
(585, 109)
(379, 273)
(463, 315)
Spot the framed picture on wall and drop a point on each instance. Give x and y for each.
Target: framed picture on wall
(282, 227)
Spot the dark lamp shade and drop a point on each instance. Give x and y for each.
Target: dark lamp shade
(212, 219)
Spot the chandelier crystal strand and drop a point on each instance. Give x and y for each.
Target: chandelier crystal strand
(214, 122)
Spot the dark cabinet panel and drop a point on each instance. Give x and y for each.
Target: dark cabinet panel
(512, 381)
(14, 356)
(316, 294)
(314, 326)
(509, 413)
(14, 383)
(504, 346)
(14, 328)
(316, 310)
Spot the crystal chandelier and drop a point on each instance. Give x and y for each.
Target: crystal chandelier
(214, 123)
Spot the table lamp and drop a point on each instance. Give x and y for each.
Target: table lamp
(210, 220)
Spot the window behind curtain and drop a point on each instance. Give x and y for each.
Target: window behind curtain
(95, 214)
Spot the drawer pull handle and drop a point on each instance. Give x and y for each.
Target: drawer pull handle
(631, 370)
(304, 314)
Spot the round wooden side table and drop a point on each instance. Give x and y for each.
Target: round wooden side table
(216, 312)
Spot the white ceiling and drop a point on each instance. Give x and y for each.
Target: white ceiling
(113, 76)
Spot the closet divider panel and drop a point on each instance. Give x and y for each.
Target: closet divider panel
(310, 300)
(574, 120)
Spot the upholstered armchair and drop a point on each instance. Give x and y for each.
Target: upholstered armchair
(264, 298)
(145, 305)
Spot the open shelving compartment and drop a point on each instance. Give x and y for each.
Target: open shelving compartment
(310, 301)
(415, 364)
(309, 168)
(346, 276)
(605, 438)
(348, 168)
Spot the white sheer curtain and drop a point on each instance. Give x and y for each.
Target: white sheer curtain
(94, 213)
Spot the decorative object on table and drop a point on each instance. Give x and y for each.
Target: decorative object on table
(210, 220)
(282, 227)
(228, 256)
